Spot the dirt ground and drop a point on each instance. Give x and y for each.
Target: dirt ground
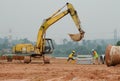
(57, 70)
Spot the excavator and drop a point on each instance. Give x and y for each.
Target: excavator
(45, 45)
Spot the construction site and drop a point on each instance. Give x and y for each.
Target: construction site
(58, 70)
(44, 60)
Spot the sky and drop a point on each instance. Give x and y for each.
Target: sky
(23, 18)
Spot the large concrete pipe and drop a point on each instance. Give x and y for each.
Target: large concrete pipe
(112, 55)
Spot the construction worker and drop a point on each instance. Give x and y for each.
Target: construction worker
(70, 57)
(95, 57)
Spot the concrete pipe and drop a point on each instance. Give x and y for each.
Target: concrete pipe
(112, 55)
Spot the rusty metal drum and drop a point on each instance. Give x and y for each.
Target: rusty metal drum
(112, 55)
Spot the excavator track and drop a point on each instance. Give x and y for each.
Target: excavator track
(27, 59)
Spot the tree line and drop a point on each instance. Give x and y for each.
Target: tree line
(64, 49)
(82, 47)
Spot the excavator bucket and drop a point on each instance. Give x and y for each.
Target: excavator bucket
(76, 37)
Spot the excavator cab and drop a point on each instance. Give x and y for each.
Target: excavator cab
(49, 47)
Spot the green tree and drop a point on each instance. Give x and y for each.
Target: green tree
(118, 43)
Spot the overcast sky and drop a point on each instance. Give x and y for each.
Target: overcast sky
(99, 18)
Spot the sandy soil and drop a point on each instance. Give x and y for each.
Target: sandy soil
(58, 70)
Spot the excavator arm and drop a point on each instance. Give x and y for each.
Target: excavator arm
(40, 44)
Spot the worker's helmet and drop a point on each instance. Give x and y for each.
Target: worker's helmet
(93, 50)
(73, 51)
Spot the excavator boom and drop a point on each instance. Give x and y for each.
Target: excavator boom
(54, 18)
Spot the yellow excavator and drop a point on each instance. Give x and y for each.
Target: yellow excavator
(44, 45)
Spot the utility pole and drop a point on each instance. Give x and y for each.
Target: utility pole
(115, 36)
(10, 38)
